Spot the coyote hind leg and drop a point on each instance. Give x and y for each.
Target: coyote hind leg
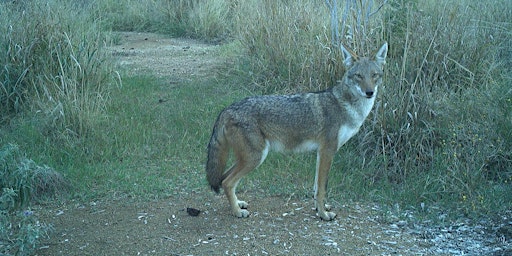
(247, 159)
(240, 169)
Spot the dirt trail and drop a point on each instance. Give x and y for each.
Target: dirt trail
(165, 228)
(277, 226)
(184, 59)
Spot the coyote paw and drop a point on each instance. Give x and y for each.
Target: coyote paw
(242, 204)
(242, 213)
(327, 207)
(327, 216)
(239, 209)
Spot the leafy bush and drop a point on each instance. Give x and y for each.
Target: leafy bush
(23, 181)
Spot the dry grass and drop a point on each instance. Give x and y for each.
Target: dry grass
(54, 67)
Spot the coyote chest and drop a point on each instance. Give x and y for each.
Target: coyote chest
(345, 133)
(357, 115)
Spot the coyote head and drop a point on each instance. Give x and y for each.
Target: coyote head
(364, 75)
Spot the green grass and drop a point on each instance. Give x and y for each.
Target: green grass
(151, 136)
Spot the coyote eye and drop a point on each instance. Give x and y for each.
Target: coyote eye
(376, 76)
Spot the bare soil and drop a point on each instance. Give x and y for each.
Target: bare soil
(277, 225)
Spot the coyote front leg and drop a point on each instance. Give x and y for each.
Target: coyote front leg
(323, 165)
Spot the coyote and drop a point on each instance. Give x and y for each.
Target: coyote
(321, 121)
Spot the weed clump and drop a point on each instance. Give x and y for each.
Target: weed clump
(23, 182)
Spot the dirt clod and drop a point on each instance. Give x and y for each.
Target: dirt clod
(193, 212)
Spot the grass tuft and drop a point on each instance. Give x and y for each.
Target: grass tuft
(23, 182)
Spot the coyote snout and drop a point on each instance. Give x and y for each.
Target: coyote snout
(321, 121)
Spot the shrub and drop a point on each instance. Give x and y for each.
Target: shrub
(23, 181)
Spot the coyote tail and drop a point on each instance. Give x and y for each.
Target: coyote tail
(217, 157)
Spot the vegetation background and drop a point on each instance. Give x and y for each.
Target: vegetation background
(440, 136)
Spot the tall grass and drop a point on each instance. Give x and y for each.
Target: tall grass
(440, 132)
(443, 111)
(289, 45)
(202, 19)
(286, 44)
(53, 65)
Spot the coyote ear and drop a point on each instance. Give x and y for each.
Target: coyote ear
(381, 54)
(347, 57)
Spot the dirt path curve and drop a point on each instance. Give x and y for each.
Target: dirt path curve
(162, 56)
(277, 226)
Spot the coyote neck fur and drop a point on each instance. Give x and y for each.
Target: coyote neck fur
(356, 106)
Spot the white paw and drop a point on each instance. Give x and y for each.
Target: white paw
(242, 213)
(327, 207)
(326, 215)
(242, 204)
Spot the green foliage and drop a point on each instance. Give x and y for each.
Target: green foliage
(53, 64)
(286, 44)
(22, 182)
(440, 132)
(28, 180)
(133, 15)
(20, 232)
(210, 20)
